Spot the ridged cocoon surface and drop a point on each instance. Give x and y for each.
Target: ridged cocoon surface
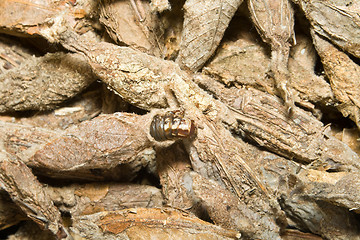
(204, 25)
(43, 83)
(337, 20)
(274, 21)
(147, 223)
(343, 74)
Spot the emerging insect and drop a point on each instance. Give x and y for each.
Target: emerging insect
(172, 125)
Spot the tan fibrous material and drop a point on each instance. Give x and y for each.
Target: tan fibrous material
(133, 25)
(204, 25)
(102, 143)
(336, 20)
(343, 74)
(134, 223)
(274, 21)
(43, 83)
(25, 190)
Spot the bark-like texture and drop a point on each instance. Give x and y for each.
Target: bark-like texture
(250, 168)
(262, 118)
(24, 189)
(344, 75)
(134, 25)
(336, 20)
(274, 21)
(43, 83)
(135, 223)
(204, 25)
(102, 143)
